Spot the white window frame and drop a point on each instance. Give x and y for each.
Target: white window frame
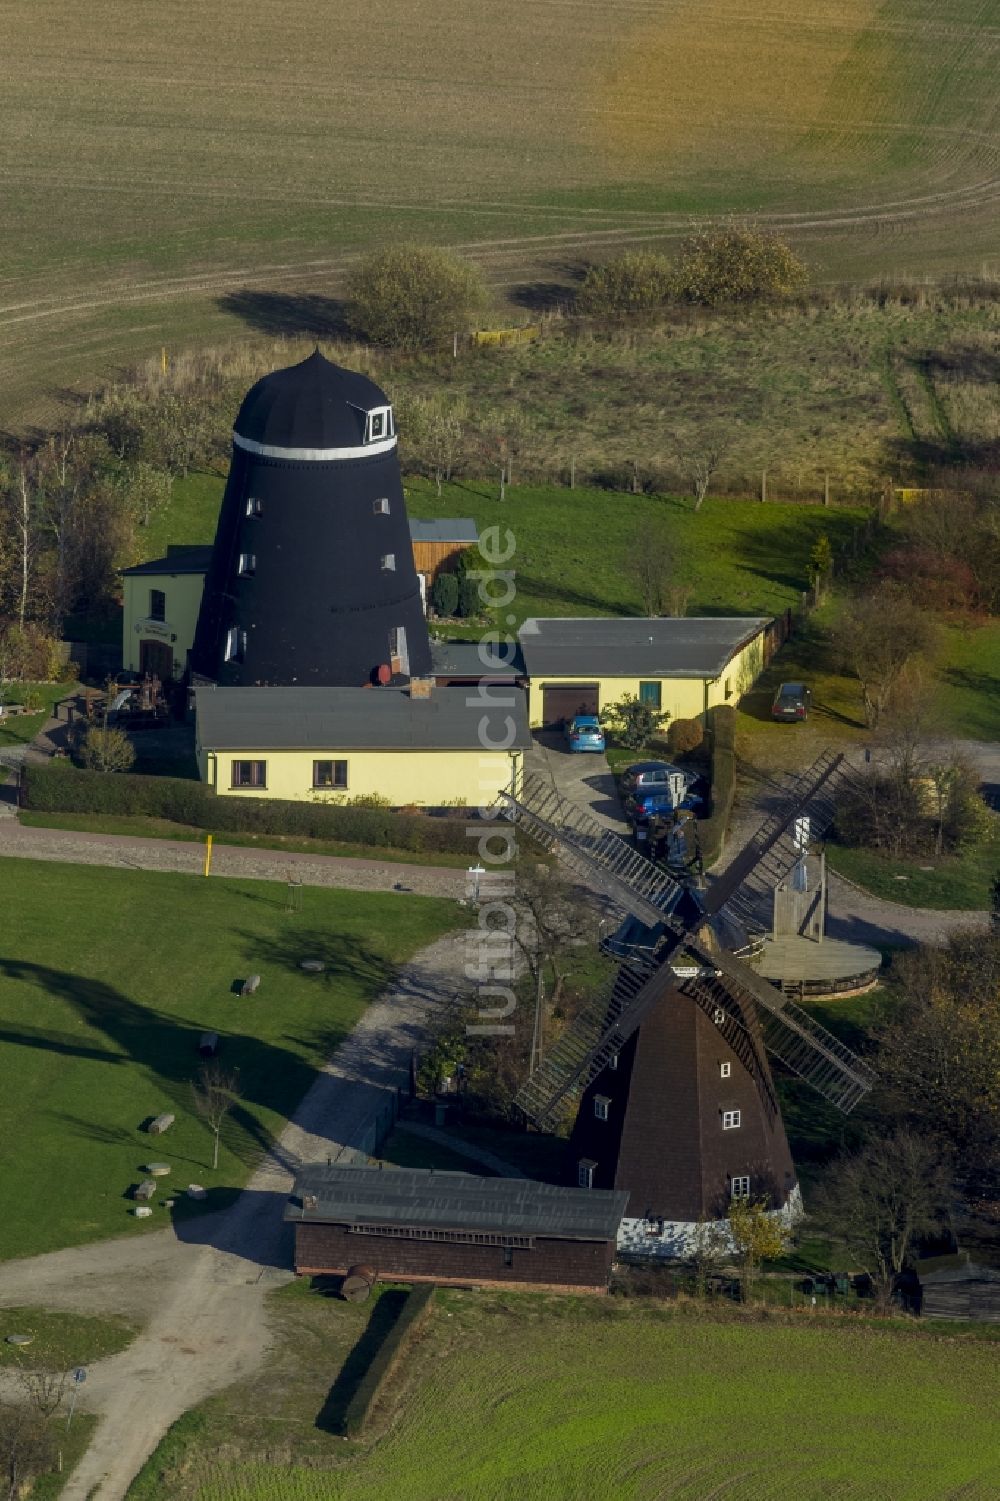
(389, 562)
(719, 1016)
(381, 506)
(385, 413)
(612, 1062)
(398, 650)
(585, 1173)
(255, 506)
(725, 1070)
(247, 565)
(601, 1103)
(739, 1188)
(236, 644)
(732, 1120)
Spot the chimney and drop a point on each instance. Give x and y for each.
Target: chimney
(421, 687)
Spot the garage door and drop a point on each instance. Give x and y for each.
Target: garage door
(560, 704)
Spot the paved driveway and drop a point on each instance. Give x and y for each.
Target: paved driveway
(581, 776)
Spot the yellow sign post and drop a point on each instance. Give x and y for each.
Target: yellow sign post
(208, 853)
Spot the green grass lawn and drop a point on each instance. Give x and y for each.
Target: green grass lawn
(142, 827)
(20, 728)
(60, 1339)
(108, 979)
(951, 882)
(509, 1396)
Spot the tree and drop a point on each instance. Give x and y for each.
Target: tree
(650, 564)
(413, 295)
(27, 1446)
(699, 451)
(633, 722)
(638, 281)
(736, 264)
(45, 1390)
(882, 1199)
(820, 564)
(216, 1090)
(758, 1235)
(880, 635)
(444, 594)
(469, 601)
(106, 748)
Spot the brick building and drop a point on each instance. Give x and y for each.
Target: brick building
(415, 1225)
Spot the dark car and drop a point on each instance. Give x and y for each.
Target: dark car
(649, 776)
(791, 702)
(658, 801)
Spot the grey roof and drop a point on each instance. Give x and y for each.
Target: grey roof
(448, 529)
(454, 1201)
(179, 559)
(591, 646)
(353, 719)
(472, 659)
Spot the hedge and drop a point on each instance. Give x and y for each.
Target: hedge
(59, 788)
(712, 830)
(411, 1317)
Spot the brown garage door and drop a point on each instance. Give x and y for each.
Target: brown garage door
(560, 704)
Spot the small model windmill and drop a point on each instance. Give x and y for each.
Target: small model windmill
(679, 1106)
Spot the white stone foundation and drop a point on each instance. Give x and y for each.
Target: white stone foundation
(672, 1240)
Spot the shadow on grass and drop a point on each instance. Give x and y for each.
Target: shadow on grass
(330, 1418)
(288, 313)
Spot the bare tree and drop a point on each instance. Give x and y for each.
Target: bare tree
(216, 1090)
(650, 564)
(45, 1390)
(881, 635)
(27, 1446)
(882, 1199)
(699, 452)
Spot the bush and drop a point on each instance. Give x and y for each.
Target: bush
(413, 295)
(632, 721)
(444, 594)
(413, 1314)
(684, 736)
(736, 265)
(106, 748)
(29, 654)
(640, 281)
(57, 788)
(469, 601)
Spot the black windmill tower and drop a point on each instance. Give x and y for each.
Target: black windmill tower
(312, 581)
(678, 1102)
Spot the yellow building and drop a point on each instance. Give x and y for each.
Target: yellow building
(161, 603)
(683, 667)
(419, 746)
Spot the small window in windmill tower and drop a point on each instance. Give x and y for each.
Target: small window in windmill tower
(379, 425)
(157, 604)
(381, 506)
(725, 1069)
(730, 1120)
(719, 1016)
(601, 1103)
(236, 644)
(248, 564)
(740, 1188)
(389, 562)
(649, 694)
(585, 1173)
(255, 506)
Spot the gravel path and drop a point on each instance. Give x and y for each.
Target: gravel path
(126, 852)
(200, 1287)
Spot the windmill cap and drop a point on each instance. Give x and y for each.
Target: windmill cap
(313, 410)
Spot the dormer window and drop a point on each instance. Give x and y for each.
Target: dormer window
(255, 506)
(381, 506)
(389, 562)
(379, 425)
(248, 565)
(601, 1103)
(585, 1172)
(236, 644)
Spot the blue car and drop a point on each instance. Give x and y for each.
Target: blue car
(641, 806)
(584, 733)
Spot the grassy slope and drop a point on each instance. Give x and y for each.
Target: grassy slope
(60, 1339)
(108, 979)
(662, 1403)
(959, 882)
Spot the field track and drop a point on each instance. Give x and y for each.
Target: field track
(153, 160)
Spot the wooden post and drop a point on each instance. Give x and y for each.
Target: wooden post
(763, 486)
(572, 472)
(208, 853)
(163, 360)
(503, 481)
(454, 347)
(826, 489)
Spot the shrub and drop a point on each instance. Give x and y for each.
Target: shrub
(106, 748)
(640, 281)
(632, 721)
(27, 653)
(684, 736)
(413, 295)
(58, 788)
(413, 1314)
(444, 594)
(736, 265)
(469, 601)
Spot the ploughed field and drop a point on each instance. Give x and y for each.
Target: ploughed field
(157, 158)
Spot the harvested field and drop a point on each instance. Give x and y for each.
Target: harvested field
(154, 157)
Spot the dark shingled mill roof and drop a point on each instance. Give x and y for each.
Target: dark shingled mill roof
(353, 719)
(311, 405)
(454, 1201)
(624, 647)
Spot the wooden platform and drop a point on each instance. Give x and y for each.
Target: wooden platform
(828, 968)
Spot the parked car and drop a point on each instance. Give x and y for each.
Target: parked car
(791, 702)
(646, 775)
(652, 802)
(584, 733)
